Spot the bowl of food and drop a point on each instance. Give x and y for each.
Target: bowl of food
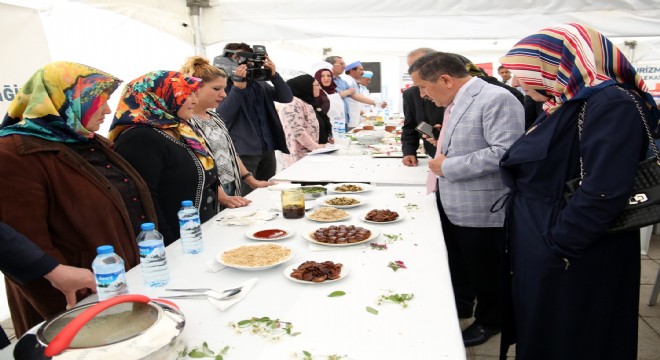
(313, 192)
(369, 137)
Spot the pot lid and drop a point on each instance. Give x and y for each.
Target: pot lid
(115, 324)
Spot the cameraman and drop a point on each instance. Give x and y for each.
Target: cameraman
(251, 118)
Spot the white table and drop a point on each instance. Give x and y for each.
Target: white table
(355, 168)
(427, 329)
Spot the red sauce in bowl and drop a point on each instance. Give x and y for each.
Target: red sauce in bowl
(270, 234)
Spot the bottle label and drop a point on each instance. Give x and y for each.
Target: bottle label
(111, 281)
(152, 252)
(190, 223)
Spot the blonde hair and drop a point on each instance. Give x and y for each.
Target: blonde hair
(200, 67)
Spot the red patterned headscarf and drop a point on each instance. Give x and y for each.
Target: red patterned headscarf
(571, 62)
(154, 100)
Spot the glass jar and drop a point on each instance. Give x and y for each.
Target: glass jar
(293, 203)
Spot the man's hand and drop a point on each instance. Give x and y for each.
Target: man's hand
(269, 64)
(69, 279)
(435, 164)
(410, 160)
(241, 71)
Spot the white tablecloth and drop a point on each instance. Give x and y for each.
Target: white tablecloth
(427, 329)
(359, 168)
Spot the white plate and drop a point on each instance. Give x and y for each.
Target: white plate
(322, 200)
(401, 216)
(395, 154)
(365, 187)
(289, 269)
(323, 150)
(255, 268)
(326, 221)
(289, 232)
(307, 235)
(283, 186)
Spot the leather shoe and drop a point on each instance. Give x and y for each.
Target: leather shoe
(476, 334)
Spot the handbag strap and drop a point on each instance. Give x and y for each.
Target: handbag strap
(583, 110)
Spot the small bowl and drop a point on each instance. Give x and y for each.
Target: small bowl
(313, 192)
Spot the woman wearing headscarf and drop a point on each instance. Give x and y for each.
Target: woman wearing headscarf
(574, 286)
(329, 99)
(208, 124)
(62, 186)
(301, 127)
(152, 132)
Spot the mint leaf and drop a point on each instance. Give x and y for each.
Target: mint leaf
(372, 310)
(337, 293)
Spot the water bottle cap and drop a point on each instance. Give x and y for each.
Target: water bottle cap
(186, 203)
(147, 226)
(105, 249)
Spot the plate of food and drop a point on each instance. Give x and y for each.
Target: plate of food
(382, 216)
(255, 257)
(341, 235)
(349, 188)
(342, 201)
(313, 192)
(328, 214)
(269, 233)
(312, 272)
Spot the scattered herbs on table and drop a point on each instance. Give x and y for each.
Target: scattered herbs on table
(269, 328)
(306, 355)
(377, 246)
(391, 297)
(390, 238)
(205, 352)
(396, 265)
(412, 207)
(400, 195)
(336, 293)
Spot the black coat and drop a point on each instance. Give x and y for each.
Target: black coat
(22, 260)
(173, 173)
(574, 287)
(416, 110)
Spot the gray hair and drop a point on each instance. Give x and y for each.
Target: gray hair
(432, 65)
(332, 59)
(420, 51)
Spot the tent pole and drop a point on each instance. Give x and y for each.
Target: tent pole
(197, 30)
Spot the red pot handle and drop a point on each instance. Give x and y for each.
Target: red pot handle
(63, 339)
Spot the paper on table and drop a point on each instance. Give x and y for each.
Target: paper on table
(247, 217)
(223, 305)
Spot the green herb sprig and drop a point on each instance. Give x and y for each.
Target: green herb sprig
(391, 297)
(205, 352)
(269, 328)
(306, 355)
(390, 238)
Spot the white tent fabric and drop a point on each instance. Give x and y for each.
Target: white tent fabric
(129, 37)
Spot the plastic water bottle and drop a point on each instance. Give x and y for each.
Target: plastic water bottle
(191, 228)
(338, 128)
(386, 114)
(109, 272)
(152, 256)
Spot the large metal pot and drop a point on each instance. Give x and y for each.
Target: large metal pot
(124, 327)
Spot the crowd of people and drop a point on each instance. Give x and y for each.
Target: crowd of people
(523, 260)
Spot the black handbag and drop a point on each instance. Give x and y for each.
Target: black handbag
(643, 206)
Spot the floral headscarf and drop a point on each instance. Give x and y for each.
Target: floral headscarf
(57, 102)
(571, 62)
(154, 100)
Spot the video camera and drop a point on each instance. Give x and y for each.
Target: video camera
(253, 60)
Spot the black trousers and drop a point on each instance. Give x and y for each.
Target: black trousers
(475, 256)
(4, 340)
(262, 166)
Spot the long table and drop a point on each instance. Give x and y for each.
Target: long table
(334, 167)
(427, 329)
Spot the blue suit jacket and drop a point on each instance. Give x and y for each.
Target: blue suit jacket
(483, 124)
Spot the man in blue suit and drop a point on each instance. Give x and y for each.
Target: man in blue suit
(481, 121)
